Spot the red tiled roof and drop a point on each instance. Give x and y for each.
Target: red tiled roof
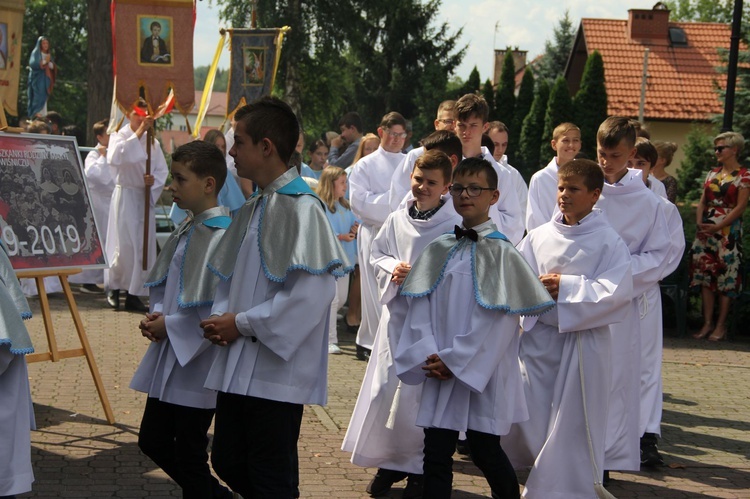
(682, 80)
(216, 106)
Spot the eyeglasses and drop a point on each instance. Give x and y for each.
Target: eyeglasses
(448, 122)
(720, 148)
(396, 135)
(472, 190)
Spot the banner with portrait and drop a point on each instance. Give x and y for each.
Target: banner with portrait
(153, 50)
(253, 64)
(11, 29)
(46, 219)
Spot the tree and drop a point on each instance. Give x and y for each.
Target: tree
(559, 110)
(99, 66)
(473, 84)
(715, 11)
(590, 103)
(531, 133)
(699, 159)
(488, 92)
(221, 83)
(505, 98)
(64, 23)
(523, 105)
(555, 57)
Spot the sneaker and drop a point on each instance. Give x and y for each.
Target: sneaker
(113, 298)
(650, 456)
(383, 480)
(334, 349)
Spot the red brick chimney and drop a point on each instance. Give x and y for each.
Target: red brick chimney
(649, 26)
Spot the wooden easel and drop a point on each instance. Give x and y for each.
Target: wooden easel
(54, 354)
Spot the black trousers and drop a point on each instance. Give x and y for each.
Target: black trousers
(255, 446)
(439, 446)
(175, 438)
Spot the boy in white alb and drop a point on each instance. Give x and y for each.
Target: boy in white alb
(566, 141)
(369, 185)
(585, 266)
(473, 112)
(460, 337)
(179, 410)
(651, 325)
(638, 217)
(126, 157)
(498, 134)
(382, 431)
(277, 263)
(16, 410)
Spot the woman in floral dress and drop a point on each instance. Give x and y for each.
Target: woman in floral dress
(717, 249)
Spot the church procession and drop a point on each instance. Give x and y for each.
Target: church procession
(378, 280)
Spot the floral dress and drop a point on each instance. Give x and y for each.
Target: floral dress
(716, 257)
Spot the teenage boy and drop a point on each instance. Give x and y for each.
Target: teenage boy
(179, 410)
(646, 233)
(382, 431)
(498, 134)
(566, 142)
(351, 133)
(369, 183)
(17, 412)
(585, 266)
(473, 112)
(101, 185)
(270, 315)
(126, 157)
(651, 325)
(401, 181)
(460, 336)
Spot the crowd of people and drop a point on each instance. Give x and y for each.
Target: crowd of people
(488, 311)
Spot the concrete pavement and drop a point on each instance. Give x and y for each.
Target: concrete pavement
(706, 429)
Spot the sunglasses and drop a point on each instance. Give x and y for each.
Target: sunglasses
(720, 148)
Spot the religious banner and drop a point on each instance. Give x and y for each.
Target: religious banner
(46, 219)
(153, 50)
(253, 64)
(11, 26)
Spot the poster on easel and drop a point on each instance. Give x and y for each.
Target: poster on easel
(46, 218)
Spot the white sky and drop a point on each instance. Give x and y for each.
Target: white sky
(526, 24)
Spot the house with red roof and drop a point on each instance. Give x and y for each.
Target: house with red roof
(672, 67)
(177, 134)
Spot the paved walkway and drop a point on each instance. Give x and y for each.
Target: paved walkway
(76, 453)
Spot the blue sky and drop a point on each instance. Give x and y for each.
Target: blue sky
(526, 24)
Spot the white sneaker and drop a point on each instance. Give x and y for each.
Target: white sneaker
(334, 349)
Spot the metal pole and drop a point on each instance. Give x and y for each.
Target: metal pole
(644, 82)
(734, 49)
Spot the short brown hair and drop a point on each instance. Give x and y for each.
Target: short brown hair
(474, 166)
(498, 126)
(271, 118)
(472, 105)
(392, 119)
(646, 150)
(564, 128)
(435, 160)
(614, 130)
(204, 159)
(445, 141)
(100, 127)
(589, 171)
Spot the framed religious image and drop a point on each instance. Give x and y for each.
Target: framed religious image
(255, 65)
(46, 220)
(156, 36)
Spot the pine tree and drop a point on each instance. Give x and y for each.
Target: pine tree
(473, 84)
(590, 103)
(555, 58)
(559, 110)
(505, 98)
(524, 100)
(527, 161)
(699, 159)
(488, 92)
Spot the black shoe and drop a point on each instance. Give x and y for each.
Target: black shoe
(91, 289)
(605, 478)
(462, 447)
(384, 479)
(650, 456)
(363, 354)
(350, 328)
(113, 298)
(134, 304)
(414, 486)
